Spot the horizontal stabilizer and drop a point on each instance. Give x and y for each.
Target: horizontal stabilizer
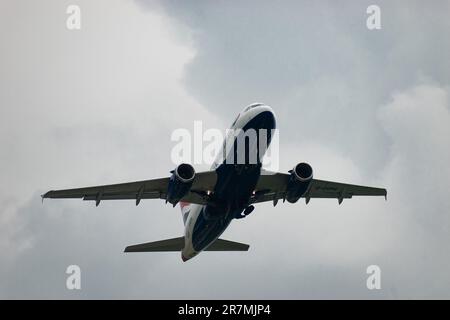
(177, 244)
(225, 245)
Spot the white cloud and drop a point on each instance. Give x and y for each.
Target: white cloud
(82, 108)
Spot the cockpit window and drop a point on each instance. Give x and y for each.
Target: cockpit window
(252, 106)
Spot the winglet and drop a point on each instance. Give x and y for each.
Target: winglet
(43, 196)
(385, 195)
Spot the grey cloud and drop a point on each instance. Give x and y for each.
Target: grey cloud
(315, 62)
(99, 106)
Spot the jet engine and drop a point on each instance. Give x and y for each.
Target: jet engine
(299, 181)
(180, 183)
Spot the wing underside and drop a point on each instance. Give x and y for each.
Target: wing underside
(138, 190)
(272, 187)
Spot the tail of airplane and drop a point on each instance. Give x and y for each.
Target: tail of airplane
(177, 244)
(185, 208)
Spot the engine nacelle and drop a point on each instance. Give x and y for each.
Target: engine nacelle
(180, 183)
(299, 181)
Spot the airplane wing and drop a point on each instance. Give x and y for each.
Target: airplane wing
(272, 187)
(146, 189)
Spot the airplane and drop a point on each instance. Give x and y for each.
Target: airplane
(210, 200)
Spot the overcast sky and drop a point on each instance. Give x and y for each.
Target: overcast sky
(98, 105)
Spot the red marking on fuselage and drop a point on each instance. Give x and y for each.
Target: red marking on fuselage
(183, 204)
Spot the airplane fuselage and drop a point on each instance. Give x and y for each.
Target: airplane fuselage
(236, 181)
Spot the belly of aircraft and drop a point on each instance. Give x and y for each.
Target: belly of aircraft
(234, 187)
